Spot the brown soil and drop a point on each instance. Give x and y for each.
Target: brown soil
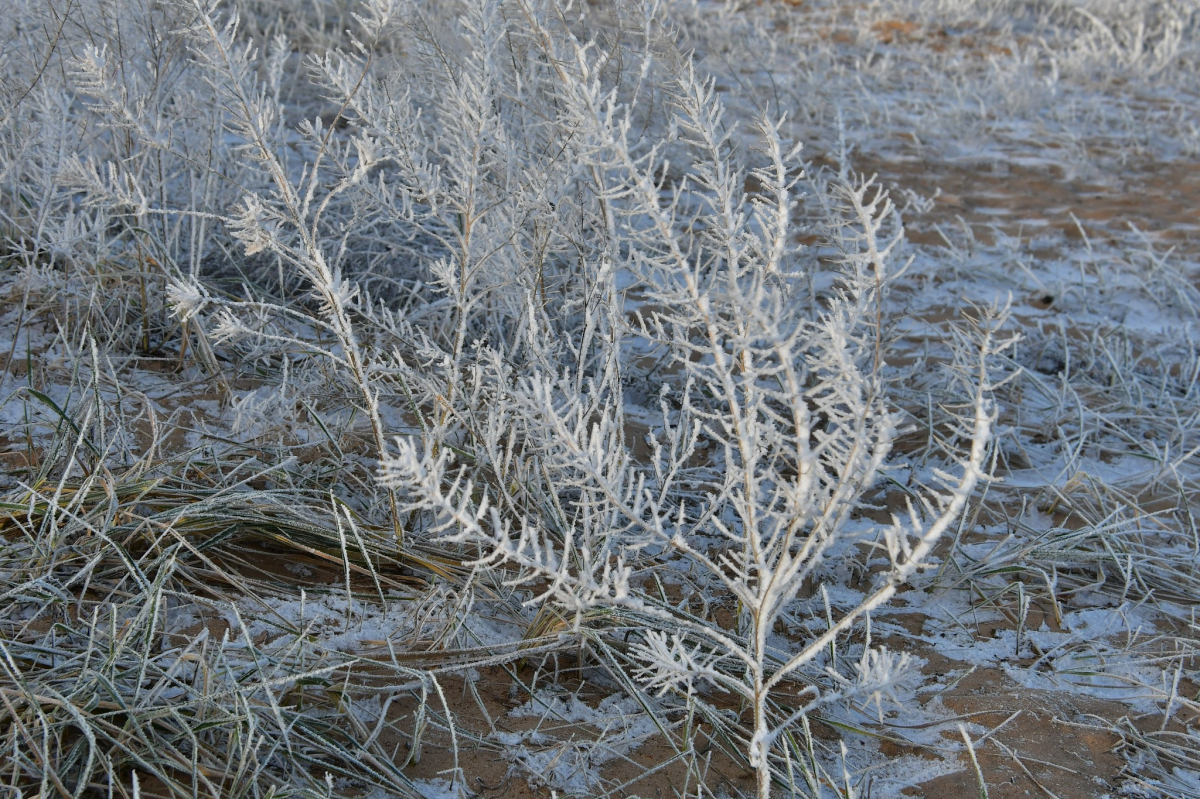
(1042, 744)
(1162, 199)
(1038, 743)
(654, 769)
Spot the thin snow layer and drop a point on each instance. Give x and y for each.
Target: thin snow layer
(1092, 654)
(439, 789)
(618, 723)
(354, 625)
(339, 624)
(436, 788)
(889, 776)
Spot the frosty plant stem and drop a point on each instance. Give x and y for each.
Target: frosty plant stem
(253, 113)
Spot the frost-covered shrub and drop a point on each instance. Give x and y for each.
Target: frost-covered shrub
(683, 287)
(531, 251)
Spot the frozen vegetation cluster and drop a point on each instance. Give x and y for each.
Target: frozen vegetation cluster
(360, 355)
